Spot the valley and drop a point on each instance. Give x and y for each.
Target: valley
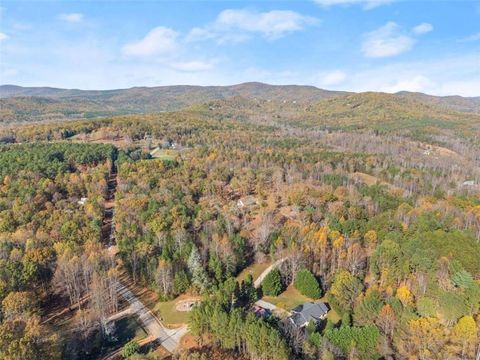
(209, 230)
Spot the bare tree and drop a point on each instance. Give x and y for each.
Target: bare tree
(263, 232)
(164, 277)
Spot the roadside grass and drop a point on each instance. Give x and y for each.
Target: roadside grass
(168, 314)
(128, 329)
(254, 269)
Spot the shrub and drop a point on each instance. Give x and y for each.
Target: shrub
(130, 348)
(272, 284)
(307, 284)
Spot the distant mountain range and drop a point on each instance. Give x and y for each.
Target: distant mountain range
(175, 92)
(26, 104)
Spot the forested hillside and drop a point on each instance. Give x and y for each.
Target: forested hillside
(19, 104)
(39, 104)
(367, 202)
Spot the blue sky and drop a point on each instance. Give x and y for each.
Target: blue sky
(357, 45)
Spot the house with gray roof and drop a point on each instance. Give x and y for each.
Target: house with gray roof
(303, 314)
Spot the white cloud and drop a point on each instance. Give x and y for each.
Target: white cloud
(71, 17)
(367, 4)
(198, 33)
(239, 24)
(3, 36)
(415, 83)
(388, 40)
(274, 23)
(470, 38)
(158, 41)
(422, 28)
(448, 75)
(192, 66)
(333, 78)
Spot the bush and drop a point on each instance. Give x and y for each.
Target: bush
(130, 348)
(272, 284)
(307, 284)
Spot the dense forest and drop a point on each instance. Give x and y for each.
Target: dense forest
(49, 242)
(379, 219)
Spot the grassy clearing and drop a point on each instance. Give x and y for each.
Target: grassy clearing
(289, 299)
(254, 269)
(167, 313)
(164, 154)
(332, 314)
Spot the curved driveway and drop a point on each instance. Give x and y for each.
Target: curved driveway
(168, 338)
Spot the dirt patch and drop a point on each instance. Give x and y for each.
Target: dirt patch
(444, 152)
(188, 342)
(186, 305)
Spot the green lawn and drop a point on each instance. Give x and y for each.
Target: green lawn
(129, 328)
(332, 314)
(166, 312)
(165, 154)
(291, 298)
(287, 300)
(254, 269)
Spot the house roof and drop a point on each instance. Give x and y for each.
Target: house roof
(307, 312)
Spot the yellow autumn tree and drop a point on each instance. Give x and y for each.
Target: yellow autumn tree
(424, 338)
(464, 335)
(371, 239)
(404, 295)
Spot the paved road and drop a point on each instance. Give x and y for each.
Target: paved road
(262, 276)
(168, 338)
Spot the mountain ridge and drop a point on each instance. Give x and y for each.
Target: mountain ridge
(11, 90)
(24, 104)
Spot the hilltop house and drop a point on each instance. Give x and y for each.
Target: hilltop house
(303, 314)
